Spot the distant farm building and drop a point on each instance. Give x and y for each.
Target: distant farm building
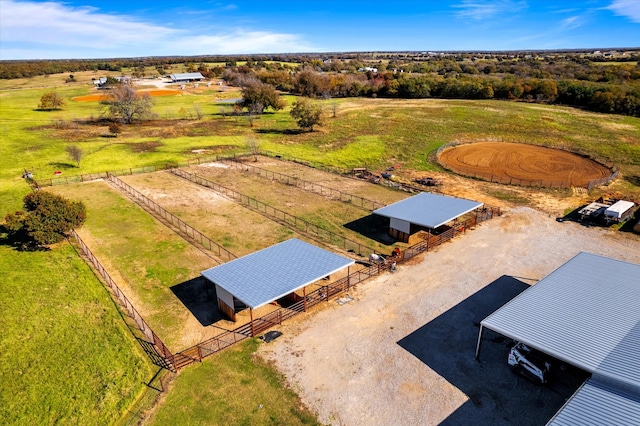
(272, 274)
(586, 313)
(425, 213)
(186, 77)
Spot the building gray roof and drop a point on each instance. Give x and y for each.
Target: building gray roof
(596, 404)
(587, 314)
(429, 210)
(187, 76)
(269, 274)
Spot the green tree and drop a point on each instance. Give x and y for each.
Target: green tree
(125, 104)
(51, 101)
(306, 114)
(46, 219)
(258, 96)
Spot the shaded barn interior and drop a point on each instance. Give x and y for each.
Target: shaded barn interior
(416, 218)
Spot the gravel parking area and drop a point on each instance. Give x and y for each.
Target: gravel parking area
(402, 351)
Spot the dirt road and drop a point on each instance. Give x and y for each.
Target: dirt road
(402, 352)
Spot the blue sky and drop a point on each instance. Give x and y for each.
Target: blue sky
(119, 28)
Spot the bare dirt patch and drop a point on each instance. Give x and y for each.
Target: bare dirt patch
(99, 97)
(403, 351)
(522, 164)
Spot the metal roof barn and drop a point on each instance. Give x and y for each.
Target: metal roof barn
(595, 404)
(585, 313)
(271, 273)
(187, 76)
(428, 210)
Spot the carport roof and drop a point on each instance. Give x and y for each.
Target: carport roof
(429, 210)
(271, 273)
(585, 313)
(598, 404)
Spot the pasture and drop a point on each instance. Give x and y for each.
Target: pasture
(373, 133)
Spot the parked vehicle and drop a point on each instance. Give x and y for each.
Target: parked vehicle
(529, 363)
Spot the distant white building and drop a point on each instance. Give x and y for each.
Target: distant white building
(185, 77)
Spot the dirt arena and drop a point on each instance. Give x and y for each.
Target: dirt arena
(522, 164)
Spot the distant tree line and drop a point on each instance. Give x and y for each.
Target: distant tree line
(560, 78)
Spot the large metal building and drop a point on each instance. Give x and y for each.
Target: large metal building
(585, 313)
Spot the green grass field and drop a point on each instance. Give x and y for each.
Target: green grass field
(231, 388)
(67, 356)
(120, 236)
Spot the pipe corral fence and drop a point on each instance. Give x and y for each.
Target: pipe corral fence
(151, 342)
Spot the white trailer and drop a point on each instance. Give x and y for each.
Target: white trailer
(619, 211)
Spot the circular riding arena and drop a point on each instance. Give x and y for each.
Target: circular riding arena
(522, 164)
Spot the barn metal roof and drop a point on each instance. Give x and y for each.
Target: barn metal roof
(427, 209)
(269, 274)
(596, 404)
(187, 76)
(586, 313)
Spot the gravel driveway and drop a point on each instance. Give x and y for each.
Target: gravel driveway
(402, 351)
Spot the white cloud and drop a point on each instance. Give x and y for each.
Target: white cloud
(571, 22)
(52, 30)
(483, 9)
(628, 8)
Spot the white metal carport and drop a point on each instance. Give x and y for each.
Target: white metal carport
(587, 314)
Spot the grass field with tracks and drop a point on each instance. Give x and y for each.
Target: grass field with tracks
(51, 296)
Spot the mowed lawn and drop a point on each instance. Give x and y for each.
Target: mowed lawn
(233, 387)
(66, 355)
(144, 257)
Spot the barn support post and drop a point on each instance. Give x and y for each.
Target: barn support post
(251, 316)
(479, 342)
(304, 298)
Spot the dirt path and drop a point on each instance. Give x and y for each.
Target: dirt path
(402, 351)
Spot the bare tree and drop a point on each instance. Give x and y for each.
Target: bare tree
(198, 112)
(75, 153)
(254, 110)
(334, 108)
(126, 104)
(253, 145)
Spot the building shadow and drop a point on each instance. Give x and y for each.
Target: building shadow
(496, 396)
(374, 227)
(199, 296)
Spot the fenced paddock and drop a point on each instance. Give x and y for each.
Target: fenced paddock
(220, 337)
(238, 229)
(525, 165)
(295, 222)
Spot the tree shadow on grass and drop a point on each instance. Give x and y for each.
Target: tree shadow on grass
(19, 241)
(199, 296)
(59, 165)
(496, 396)
(281, 131)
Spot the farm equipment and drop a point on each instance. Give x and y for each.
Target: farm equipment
(428, 181)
